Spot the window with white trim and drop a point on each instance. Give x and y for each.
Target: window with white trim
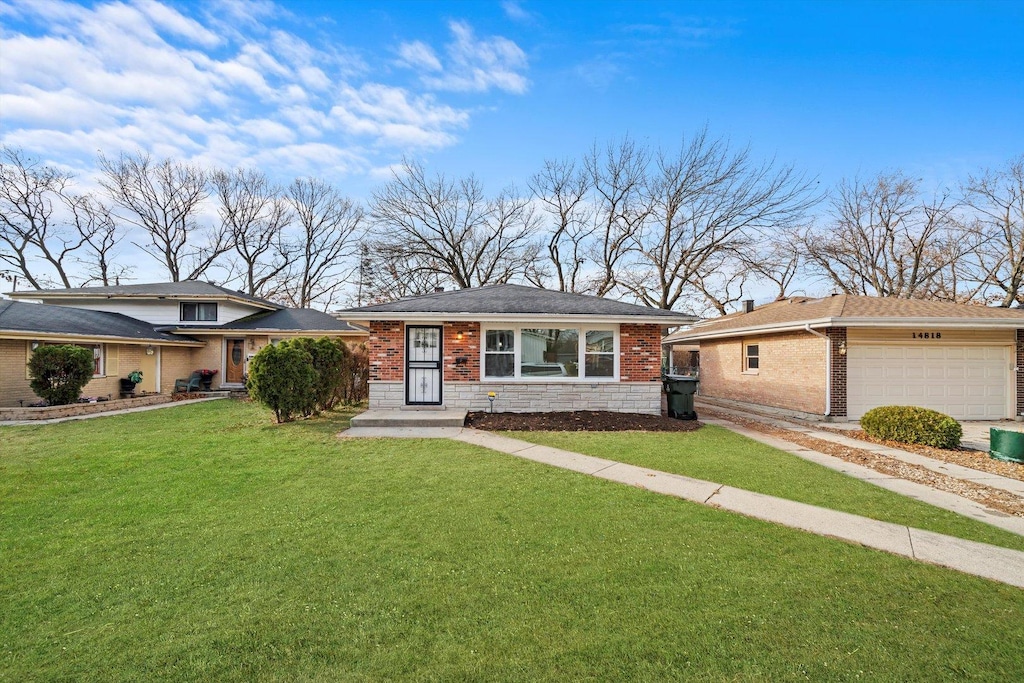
(540, 354)
(500, 353)
(198, 311)
(97, 354)
(751, 358)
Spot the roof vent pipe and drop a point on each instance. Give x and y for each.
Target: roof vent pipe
(748, 305)
(438, 290)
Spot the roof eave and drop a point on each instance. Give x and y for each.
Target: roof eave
(665, 321)
(256, 330)
(948, 323)
(85, 338)
(156, 297)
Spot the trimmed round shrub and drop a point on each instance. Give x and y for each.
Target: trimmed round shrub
(909, 424)
(281, 377)
(59, 373)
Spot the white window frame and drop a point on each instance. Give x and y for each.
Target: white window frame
(581, 351)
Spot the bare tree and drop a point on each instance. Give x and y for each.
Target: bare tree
(617, 177)
(327, 234)
(255, 214)
(164, 199)
(97, 225)
(778, 261)
(707, 205)
(387, 274)
(721, 284)
(997, 262)
(884, 240)
(450, 228)
(562, 190)
(31, 230)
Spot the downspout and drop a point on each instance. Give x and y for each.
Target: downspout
(828, 368)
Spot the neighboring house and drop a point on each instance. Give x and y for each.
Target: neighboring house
(538, 350)
(841, 355)
(167, 330)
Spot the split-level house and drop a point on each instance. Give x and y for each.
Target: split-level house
(167, 330)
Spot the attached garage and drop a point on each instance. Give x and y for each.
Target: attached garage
(965, 382)
(839, 356)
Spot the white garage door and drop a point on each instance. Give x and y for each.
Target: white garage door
(965, 382)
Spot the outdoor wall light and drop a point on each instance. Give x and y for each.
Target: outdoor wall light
(842, 348)
(150, 350)
(458, 336)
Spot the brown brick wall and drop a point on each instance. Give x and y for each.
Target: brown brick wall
(639, 353)
(387, 350)
(468, 347)
(791, 373)
(1020, 372)
(837, 340)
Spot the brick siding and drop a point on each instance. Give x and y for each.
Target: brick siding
(837, 338)
(386, 347)
(791, 373)
(468, 348)
(639, 353)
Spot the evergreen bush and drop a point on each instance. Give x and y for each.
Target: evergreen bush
(59, 373)
(281, 377)
(909, 424)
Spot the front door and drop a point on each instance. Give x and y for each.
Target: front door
(148, 364)
(235, 363)
(422, 365)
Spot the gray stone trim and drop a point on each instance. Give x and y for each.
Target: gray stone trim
(521, 397)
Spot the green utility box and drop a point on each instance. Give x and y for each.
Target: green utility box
(679, 390)
(1006, 445)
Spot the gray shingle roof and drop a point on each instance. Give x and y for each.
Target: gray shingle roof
(513, 300)
(17, 316)
(186, 288)
(287, 320)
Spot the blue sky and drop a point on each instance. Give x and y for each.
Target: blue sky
(345, 89)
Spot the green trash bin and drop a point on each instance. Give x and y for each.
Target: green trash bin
(1006, 445)
(679, 391)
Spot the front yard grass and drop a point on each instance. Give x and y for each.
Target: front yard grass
(202, 542)
(715, 454)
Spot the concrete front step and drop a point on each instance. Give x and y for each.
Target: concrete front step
(410, 418)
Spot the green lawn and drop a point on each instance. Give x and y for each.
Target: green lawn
(716, 454)
(202, 542)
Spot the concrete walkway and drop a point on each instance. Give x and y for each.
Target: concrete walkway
(980, 559)
(123, 411)
(1014, 486)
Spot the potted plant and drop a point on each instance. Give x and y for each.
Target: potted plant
(206, 378)
(128, 383)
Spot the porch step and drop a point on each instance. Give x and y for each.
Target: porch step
(410, 418)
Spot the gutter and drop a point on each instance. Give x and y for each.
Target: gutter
(828, 367)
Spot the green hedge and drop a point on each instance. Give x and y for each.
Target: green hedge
(909, 424)
(59, 373)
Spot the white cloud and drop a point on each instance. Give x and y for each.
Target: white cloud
(472, 64)
(226, 87)
(515, 11)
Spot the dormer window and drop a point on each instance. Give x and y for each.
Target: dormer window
(198, 312)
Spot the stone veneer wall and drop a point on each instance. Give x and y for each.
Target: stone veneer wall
(530, 397)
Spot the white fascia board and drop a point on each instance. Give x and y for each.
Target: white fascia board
(260, 330)
(948, 323)
(417, 318)
(149, 297)
(79, 338)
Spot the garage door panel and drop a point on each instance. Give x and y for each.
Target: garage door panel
(967, 382)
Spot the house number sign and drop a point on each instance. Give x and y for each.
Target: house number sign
(926, 335)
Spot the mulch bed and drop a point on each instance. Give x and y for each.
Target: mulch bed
(577, 421)
(996, 499)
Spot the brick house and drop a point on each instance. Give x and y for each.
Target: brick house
(537, 350)
(167, 330)
(839, 356)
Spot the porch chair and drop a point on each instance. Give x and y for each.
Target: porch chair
(188, 385)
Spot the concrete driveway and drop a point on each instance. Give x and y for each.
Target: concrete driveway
(976, 434)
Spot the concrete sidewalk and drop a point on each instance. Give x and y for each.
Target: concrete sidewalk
(980, 559)
(1014, 486)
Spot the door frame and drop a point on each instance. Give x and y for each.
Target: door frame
(227, 358)
(440, 365)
